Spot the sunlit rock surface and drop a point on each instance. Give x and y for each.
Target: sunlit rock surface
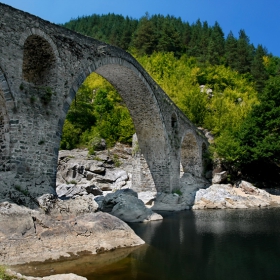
(241, 196)
(28, 235)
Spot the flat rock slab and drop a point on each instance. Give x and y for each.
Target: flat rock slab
(28, 235)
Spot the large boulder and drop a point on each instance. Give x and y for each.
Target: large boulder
(110, 200)
(248, 188)
(242, 196)
(219, 177)
(132, 209)
(147, 197)
(27, 235)
(125, 205)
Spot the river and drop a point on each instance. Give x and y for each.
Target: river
(202, 244)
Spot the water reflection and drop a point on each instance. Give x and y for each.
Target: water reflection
(84, 264)
(212, 244)
(215, 244)
(245, 221)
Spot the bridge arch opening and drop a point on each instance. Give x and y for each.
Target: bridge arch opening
(190, 155)
(97, 112)
(142, 106)
(39, 62)
(144, 111)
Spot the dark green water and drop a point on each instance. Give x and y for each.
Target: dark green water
(212, 244)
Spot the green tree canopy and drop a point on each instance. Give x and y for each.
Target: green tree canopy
(260, 133)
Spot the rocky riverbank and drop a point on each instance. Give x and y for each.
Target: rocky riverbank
(29, 235)
(97, 195)
(87, 216)
(120, 169)
(107, 182)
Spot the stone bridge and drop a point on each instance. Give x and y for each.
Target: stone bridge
(42, 65)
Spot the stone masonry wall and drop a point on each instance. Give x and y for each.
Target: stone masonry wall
(142, 179)
(4, 135)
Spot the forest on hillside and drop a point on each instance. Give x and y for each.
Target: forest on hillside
(222, 83)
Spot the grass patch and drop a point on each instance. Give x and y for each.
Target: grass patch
(117, 161)
(32, 99)
(73, 182)
(97, 158)
(25, 192)
(47, 94)
(5, 276)
(177, 192)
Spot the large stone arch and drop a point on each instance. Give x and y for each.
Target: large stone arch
(143, 107)
(36, 119)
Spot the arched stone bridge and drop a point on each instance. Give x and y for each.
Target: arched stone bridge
(42, 65)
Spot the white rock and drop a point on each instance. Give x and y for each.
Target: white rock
(219, 177)
(147, 197)
(221, 196)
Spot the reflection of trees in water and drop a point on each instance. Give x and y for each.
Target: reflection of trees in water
(168, 253)
(239, 244)
(218, 244)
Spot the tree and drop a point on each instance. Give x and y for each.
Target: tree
(70, 136)
(196, 106)
(187, 33)
(260, 133)
(194, 49)
(258, 70)
(80, 114)
(169, 40)
(216, 46)
(102, 105)
(204, 42)
(145, 36)
(272, 65)
(244, 53)
(231, 55)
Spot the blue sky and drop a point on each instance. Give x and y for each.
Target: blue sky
(259, 18)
